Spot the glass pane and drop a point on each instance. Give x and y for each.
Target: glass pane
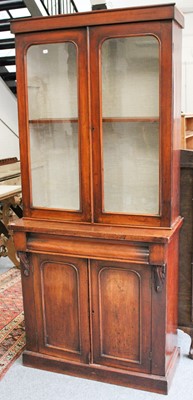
(53, 124)
(130, 106)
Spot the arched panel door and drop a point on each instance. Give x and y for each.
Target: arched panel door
(121, 315)
(62, 306)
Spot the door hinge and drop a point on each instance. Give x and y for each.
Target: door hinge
(150, 355)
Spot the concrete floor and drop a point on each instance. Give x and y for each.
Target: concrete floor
(5, 264)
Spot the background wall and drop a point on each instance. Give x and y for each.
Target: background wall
(187, 65)
(9, 144)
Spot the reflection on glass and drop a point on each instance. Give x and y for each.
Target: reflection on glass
(53, 124)
(131, 169)
(130, 106)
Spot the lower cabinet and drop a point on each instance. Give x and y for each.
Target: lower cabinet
(96, 312)
(101, 308)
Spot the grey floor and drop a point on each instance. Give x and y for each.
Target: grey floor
(5, 264)
(22, 383)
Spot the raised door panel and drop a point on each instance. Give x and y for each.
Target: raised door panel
(121, 315)
(62, 307)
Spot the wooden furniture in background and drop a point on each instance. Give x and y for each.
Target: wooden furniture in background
(10, 173)
(100, 139)
(10, 205)
(187, 131)
(185, 306)
(10, 199)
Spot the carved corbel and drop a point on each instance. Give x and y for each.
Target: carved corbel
(24, 258)
(159, 277)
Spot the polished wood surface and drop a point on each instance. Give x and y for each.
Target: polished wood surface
(80, 39)
(100, 288)
(64, 333)
(132, 14)
(120, 299)
(141, 273)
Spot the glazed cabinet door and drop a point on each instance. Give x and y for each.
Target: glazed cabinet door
(55, 128)
(61, 302)
(127, 102)
(121, 315)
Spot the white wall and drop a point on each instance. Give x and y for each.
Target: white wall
(9, 141)
(83, 5)
(187, 65)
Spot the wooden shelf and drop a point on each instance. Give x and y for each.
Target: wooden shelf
(53, 120)
(187, 132)
(105, 119)
(131, 119)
